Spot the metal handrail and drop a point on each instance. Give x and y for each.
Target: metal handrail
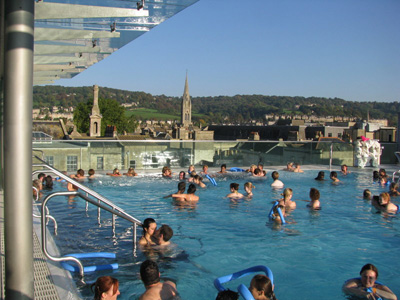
(81, 186)
(92, 201)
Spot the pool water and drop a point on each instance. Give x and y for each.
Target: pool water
(310, 257)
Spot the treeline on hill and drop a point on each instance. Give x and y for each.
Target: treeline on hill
(221, 109)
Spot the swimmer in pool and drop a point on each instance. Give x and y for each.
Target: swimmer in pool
(262, 288)
(383, 204)
(199, 181)
(163, 235)
(289, 167)
(251, 169)
(223, 169)
(320, 176)
(115, 173)
(286, 201)
(105, 287)
(344, 170)
(248, 186)
(37, 186)
(181, 189)
(131, 173)
(80, 174)
(91, 173)
(375, 175)
(149, 227)
(182, 175)
(190, 196)
(155, 289)
(227, 295)
(334, 178)
(393, 189)
(234, 191)
(205, 170)
(366, 286)
(166, 172)
(261, 167)
(314, 197)
(277, 183)
(297, 168)
(367, 195)
(276, 217)
(191, 169)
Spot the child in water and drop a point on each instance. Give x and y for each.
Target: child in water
(314, 196)
(262, 288)
(248, 186)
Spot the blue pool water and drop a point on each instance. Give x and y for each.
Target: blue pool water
(311, 257)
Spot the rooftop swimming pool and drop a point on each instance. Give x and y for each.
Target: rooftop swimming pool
(310, 257)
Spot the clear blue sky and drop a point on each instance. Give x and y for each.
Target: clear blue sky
(348, 49)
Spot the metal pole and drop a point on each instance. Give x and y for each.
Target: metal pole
(18, 81)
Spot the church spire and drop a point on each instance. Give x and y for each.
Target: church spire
(186, 117)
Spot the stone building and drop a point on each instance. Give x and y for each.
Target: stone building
(95, 117)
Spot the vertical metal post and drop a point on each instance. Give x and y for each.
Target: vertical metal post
(18, 81)
(134, 239)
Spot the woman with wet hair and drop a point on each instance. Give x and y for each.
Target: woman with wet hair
(105, 287)
(262, 288)
(149, 227)
(366, 287)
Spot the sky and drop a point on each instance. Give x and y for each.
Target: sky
(348, 49)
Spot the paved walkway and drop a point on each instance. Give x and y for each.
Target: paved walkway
(51, 282)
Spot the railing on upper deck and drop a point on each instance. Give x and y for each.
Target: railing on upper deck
(99, 201)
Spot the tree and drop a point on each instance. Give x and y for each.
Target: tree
(113, 114)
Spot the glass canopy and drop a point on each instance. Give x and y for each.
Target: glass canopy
(72, 35)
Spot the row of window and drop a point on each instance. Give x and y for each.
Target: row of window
(72, 162)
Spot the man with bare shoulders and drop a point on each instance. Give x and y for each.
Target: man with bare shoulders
(156, 290)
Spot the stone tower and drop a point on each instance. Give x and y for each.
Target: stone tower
(186, 118)
(95, 117)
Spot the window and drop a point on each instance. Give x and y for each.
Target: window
(330, 134)
(132, 164)
(49, 160)
(72, 163)
(100, 163)
(339, 135)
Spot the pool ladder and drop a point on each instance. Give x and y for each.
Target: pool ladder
(99, 201)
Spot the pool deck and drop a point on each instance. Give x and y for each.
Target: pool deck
(51, 281)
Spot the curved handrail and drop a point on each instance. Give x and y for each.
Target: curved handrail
(82, 187)
(92, 201)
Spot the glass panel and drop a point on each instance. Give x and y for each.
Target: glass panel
(153, 155)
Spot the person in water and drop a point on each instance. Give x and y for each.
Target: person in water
(163, 235)
(277, 183)
(393, 189)
(367, 195)
(181, 189)
(314, 197)
(289, 167)
(115, 173)
(205, 170)
(223, 169)
(199, 181)
(366, 287)
(227, 295)
(286, 201)
(91, 173)
(234, 191)
(105, 288)
(190, 196)
(155, 289)
(248, 187)
(166, 172)
(383, 204)
(149, 227)
(320, 176)
(182, 175)
(297, 168)
(262, 288)
(344, 170)
(131, 172)
(334, 178)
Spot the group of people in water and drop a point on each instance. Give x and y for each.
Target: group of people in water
(260, 287)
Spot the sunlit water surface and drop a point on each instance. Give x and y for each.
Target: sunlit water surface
(310, 257)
